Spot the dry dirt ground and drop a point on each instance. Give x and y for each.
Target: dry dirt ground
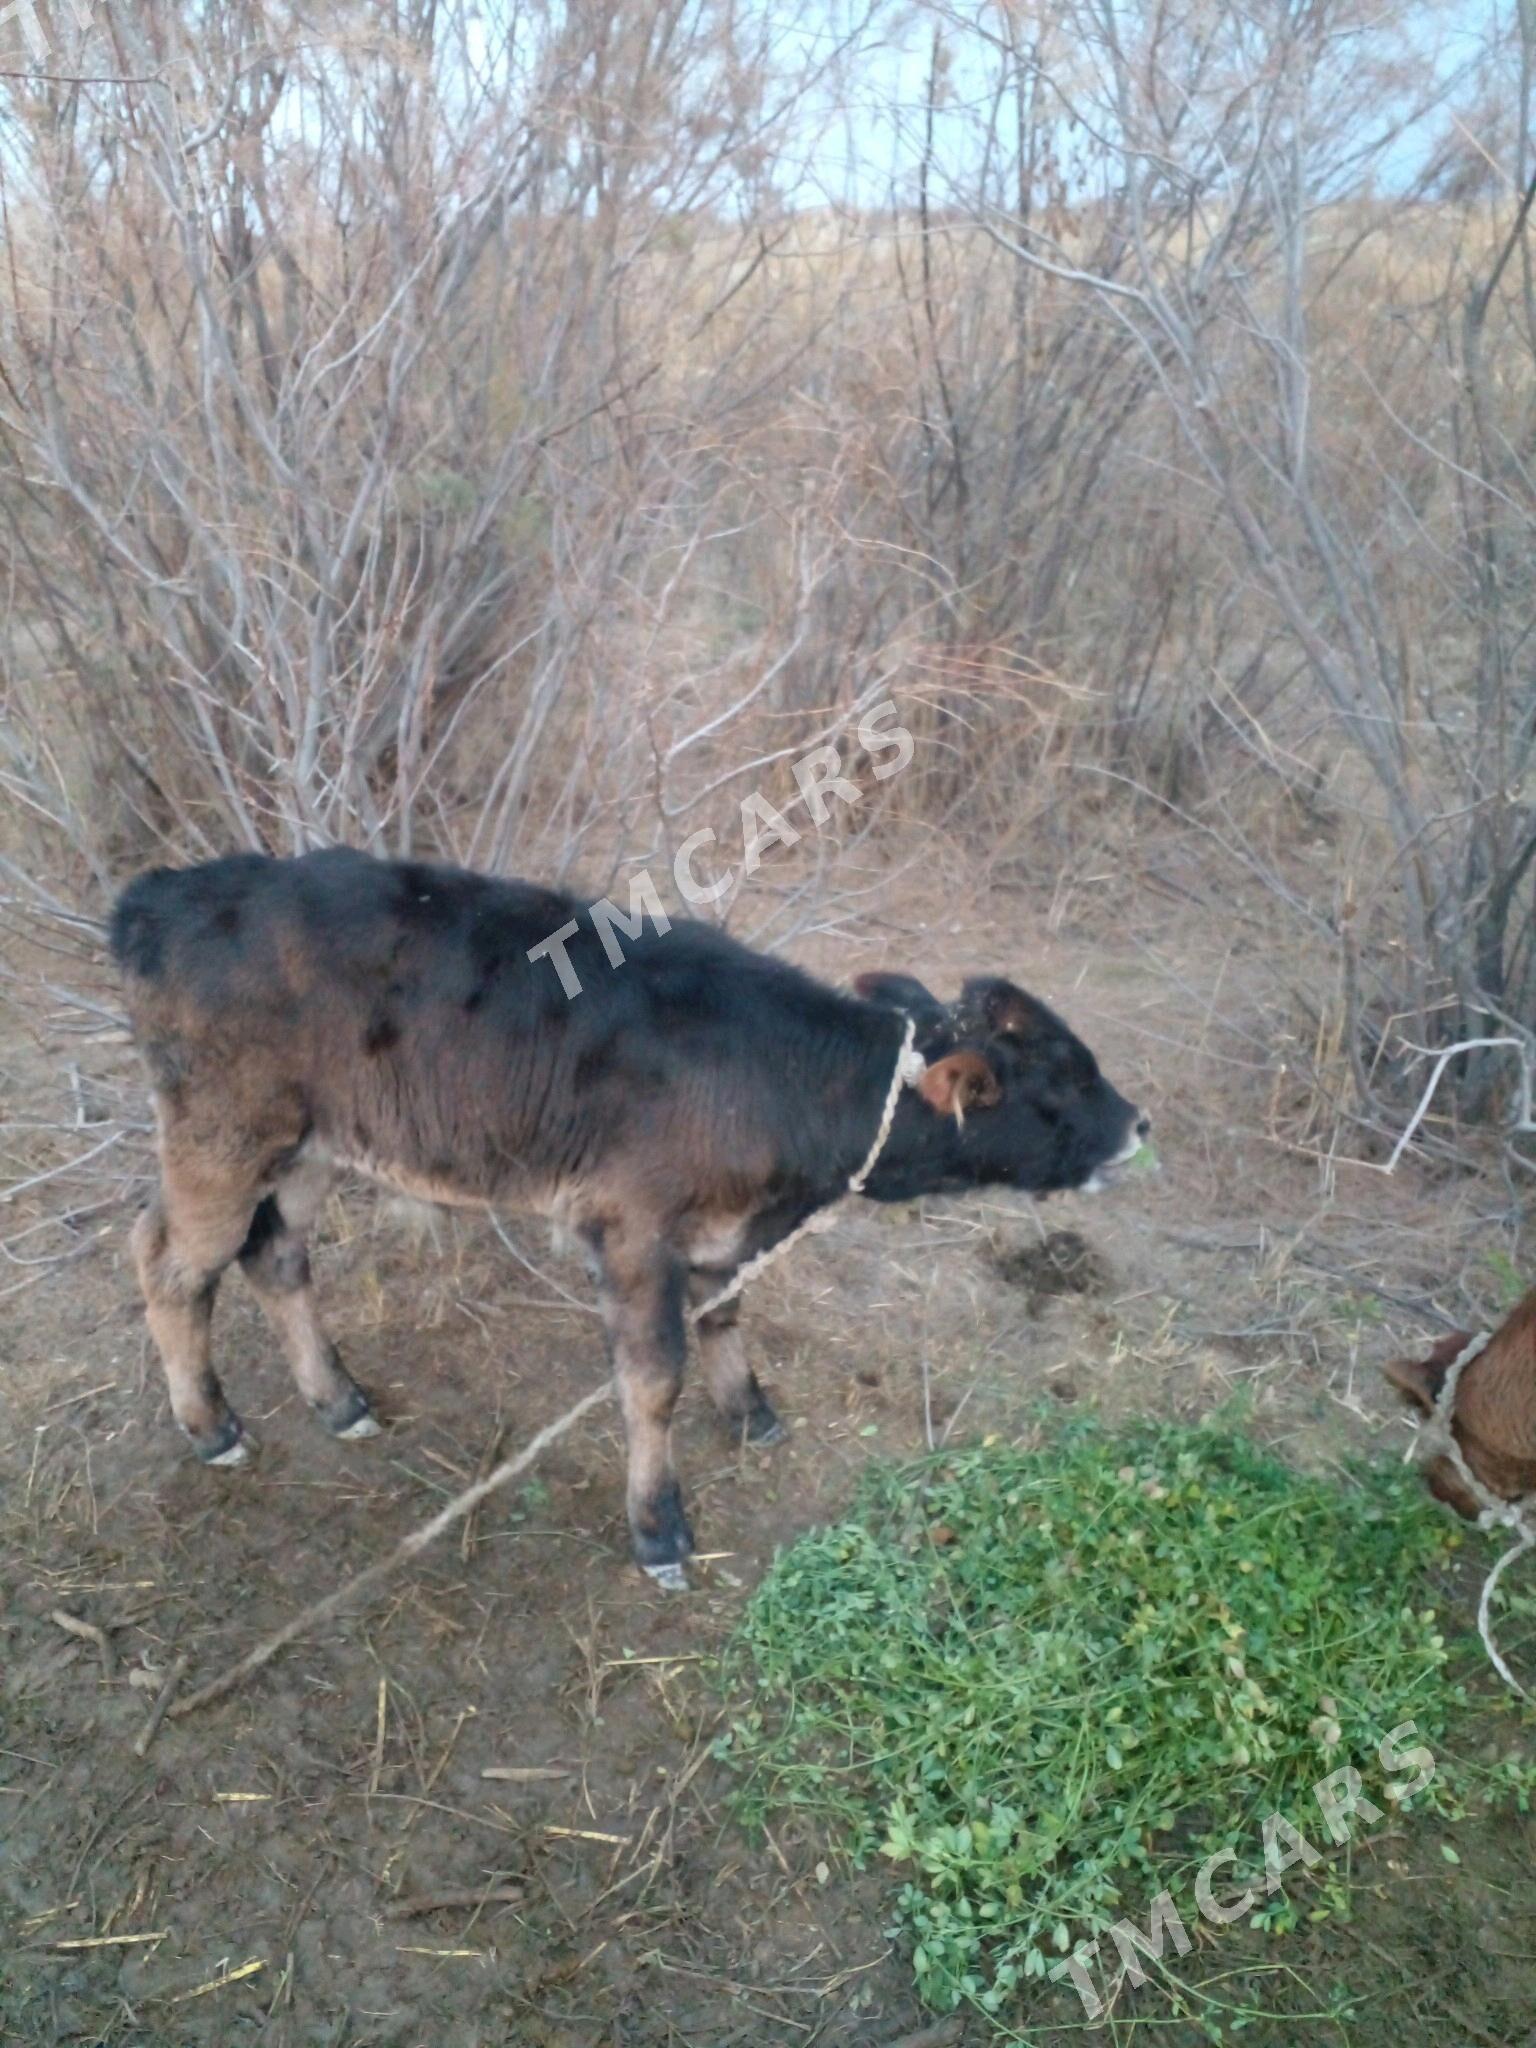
(266, 1844)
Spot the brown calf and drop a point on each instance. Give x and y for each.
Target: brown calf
(678, 1107)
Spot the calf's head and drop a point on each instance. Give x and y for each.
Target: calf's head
(1495, 1409)
(1020, 1099)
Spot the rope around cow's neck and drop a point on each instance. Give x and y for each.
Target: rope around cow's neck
(909, 1070)
(1436, 1437)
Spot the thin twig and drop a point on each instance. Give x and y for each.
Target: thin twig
(36, 1180)
(442, 1902)
(88, 1632)
(157, 1712)
(575, 1301)
(942, 2034)
(1441, 1062)
(407, 1548)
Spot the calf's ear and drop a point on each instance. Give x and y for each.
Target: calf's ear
(958, 1082)
(1419, 1380)
(996, 1005)
(1415, 1379)
(900, 992)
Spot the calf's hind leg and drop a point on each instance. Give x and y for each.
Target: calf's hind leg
(181, 1245)
(275, 1260)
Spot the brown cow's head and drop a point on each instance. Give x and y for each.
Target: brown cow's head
(1495, 1413)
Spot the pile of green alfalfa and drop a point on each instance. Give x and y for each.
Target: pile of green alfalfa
(1046, 1684)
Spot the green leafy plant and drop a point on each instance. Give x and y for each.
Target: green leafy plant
(1046, 1684)
(1508, 1283)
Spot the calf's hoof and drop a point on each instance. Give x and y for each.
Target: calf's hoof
(228, 1446)
(764, 1428)
(350, 1419)
(663, 1540)
(670, 1577)
(759, 1424)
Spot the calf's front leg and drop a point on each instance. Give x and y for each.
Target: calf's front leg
(739, 1401)
(641, 1289)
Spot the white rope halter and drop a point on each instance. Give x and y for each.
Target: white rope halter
(909, 1070)
(1436, 1437)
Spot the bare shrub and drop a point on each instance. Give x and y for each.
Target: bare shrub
(1330, 391)
(365, 416)
(461, 432)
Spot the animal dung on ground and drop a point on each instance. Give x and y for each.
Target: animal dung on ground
(1063, 1263)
